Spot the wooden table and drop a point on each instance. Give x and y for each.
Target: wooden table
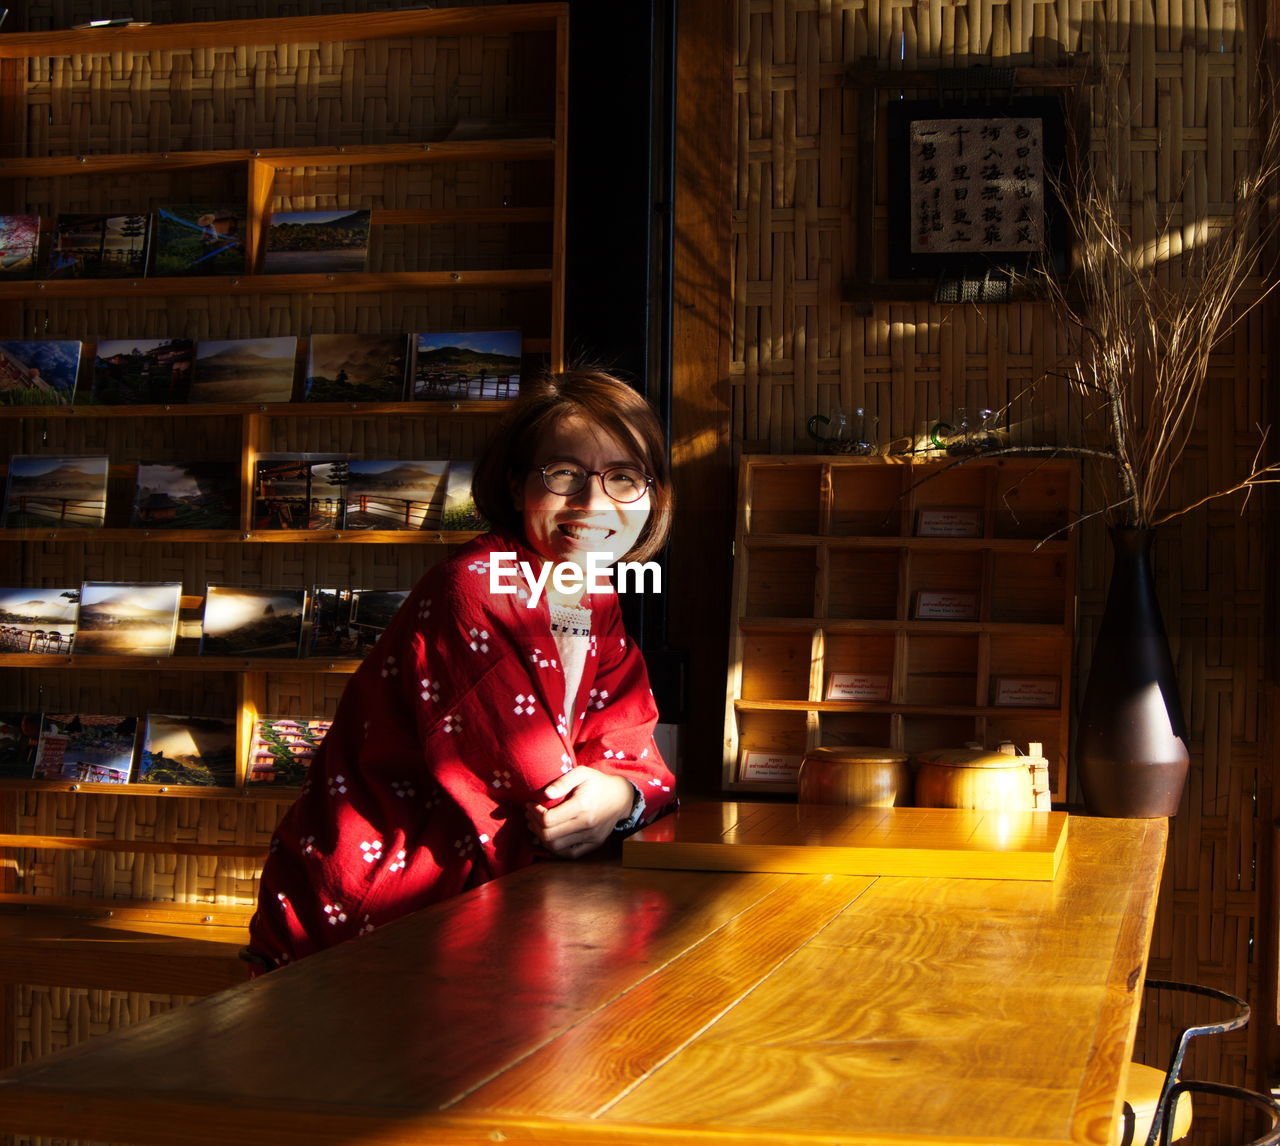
(596, 1004)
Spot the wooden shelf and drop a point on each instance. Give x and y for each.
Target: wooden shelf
(508, 259)
(924, 544)
(283, 29)
(887, 709)
(188, 791)
(337, 283)
(286, 158)
(920, 628)
(255, 536)
(423, 408)
(829, 569)
(178, 663)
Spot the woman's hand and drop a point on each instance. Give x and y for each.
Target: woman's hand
(592, 803)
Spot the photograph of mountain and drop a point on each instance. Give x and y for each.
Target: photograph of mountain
(252, 622)
(190, 495)
(198, 750)
(19, 246)
(244, 370)
(394, 494)
(54, 491)
(38, 372)
(356, 367)
(142, 371)
(476, 365)
(199, 240)
(316, 242)
(128, 618)
(38, 620)
(87, 749)
(98, 246)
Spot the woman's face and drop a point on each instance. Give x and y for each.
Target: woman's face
(567, 528)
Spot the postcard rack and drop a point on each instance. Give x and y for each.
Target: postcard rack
(903, 603)
(447, 124)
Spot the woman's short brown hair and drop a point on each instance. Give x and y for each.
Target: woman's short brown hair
(601, 399)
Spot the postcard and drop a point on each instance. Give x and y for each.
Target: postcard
(197, 750)
(299, 491)
(19, 737)
(460, 512)
(98, 246)
(394, 494)
(316, 242)
(187, 495)
(38, 620)
(61, 492)
(356, 367)
(199, 240)
(38, 373)
(372, 611)
(283, 748)
(242, 622)
(19, 246)
(127, 618)
(471, 366)
(87, 749)
(142, 371)
(244, 370)
(331, 634)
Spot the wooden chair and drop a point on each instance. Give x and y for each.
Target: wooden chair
(1157, 1103)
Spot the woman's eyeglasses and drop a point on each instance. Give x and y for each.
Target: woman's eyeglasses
(624, 484)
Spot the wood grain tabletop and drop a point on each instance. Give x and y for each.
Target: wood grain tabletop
(591, 1003)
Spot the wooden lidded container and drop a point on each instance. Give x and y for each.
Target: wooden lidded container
(849, 774)
(974, 778)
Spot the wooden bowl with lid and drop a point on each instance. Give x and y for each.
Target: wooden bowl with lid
(855, 774)
(973, 778)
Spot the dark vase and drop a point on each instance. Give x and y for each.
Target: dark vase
(1131, 750)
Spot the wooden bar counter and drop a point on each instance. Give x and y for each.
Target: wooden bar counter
(591, 1003)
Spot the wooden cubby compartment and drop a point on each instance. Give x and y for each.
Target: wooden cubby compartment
(831, 561)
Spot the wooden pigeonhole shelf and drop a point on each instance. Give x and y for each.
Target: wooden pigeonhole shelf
(845, 565)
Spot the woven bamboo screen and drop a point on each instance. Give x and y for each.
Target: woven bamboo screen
(798, 349)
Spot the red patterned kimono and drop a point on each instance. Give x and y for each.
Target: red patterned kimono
(454, 722)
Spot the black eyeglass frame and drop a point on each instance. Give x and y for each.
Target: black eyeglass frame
(588, 475)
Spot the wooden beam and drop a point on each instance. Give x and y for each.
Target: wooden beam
(698, 588)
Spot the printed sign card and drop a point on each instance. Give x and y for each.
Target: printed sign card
(773, 767)
(865, 686)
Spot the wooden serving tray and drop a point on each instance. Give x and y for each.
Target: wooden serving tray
(822, 839)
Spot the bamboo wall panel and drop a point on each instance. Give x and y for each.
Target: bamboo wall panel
(332, 93)
(264, 316)
(180, 879)
(798, 350)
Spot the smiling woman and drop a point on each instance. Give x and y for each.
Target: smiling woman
(488, 728)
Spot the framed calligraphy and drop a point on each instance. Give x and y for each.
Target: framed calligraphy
(972, 186)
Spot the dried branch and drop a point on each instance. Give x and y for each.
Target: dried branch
(1146, 314)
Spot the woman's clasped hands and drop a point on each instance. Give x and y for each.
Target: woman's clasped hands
(591, 804)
